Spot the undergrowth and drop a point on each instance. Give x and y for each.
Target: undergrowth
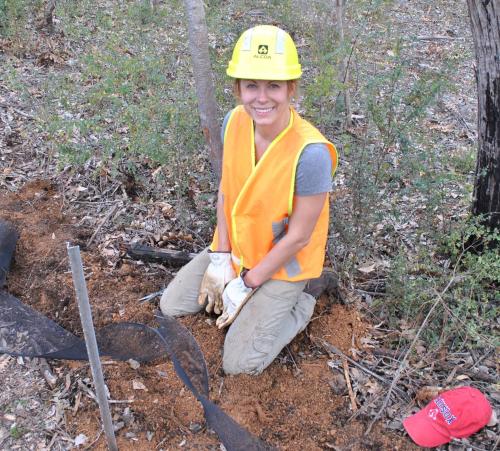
(462, 274)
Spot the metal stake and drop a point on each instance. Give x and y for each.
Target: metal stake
(91, 343)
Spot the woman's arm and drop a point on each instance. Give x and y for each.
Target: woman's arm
(222, 233)
(306, 211)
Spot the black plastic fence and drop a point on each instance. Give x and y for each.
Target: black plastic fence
(26, 332)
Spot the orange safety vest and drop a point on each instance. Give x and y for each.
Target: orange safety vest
(258, 198)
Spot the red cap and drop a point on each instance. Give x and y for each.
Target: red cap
(455, 413)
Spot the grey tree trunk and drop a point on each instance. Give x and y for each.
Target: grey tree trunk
(343, 77)
(47, 20)
(485, 23)
(207, 106)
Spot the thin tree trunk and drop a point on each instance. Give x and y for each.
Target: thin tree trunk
(343, 66)
(485, 23)
(49, 15)
(207, 106)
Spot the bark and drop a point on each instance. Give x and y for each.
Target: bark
(152, 254)
(485, 24)
(207, 106)
(49, 15)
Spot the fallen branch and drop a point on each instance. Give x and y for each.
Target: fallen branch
(479, 375)
(437, 38)
(21, 113)
(151, 254)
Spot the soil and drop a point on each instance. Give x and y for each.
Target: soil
(299, 402)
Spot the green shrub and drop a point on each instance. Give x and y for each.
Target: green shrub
(463, 271)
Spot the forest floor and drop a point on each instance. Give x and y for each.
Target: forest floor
(302, 400)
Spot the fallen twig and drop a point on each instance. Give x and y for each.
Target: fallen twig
(402, 366)
(18, 111)
(438, 38)
(349, 387)
(479, 375)
(47, 373)
(333, 350)
(496, 443)
(89, 446)
(468, 445)
(365, 406)
(99, 227)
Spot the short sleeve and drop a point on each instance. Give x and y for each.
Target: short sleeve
(314, 171)
(224, 125)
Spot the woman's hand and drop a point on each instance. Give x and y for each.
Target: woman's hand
(218, 273)
(235, 296)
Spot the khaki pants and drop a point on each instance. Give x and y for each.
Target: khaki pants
(274, 315)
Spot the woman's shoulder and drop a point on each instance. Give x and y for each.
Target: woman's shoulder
(224, 124)
(315, 153)
(314, 173)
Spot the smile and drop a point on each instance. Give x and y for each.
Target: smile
(263, 110)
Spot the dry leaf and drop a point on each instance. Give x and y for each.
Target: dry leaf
(80, 439)
(367, 269)
(428, 393)
(134, 364)
(138, 385)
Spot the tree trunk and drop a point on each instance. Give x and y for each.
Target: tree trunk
(344, 63)
(49, 15)
(207, 106)
(485, 23)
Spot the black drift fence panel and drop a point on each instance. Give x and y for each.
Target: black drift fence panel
(26, 332)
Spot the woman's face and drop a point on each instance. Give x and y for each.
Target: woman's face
(266, 101)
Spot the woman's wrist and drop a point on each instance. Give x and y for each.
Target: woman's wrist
(223, 249)
(247, 278)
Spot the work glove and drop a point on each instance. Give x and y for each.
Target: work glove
(218, 273)
(235, 296)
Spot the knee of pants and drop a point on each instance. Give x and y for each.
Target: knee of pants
(304, 310)
(253, 358)
(181, 296)
(168, 309)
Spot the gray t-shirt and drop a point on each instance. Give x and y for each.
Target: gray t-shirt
(314, 169)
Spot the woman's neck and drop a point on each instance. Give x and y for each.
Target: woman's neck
(270, 132)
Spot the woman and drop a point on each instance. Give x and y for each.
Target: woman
(272, 211)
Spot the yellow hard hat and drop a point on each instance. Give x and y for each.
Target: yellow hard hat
(265, 52)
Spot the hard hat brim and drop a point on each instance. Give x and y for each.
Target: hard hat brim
(292, 73)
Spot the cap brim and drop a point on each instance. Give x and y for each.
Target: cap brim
(424, 431)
